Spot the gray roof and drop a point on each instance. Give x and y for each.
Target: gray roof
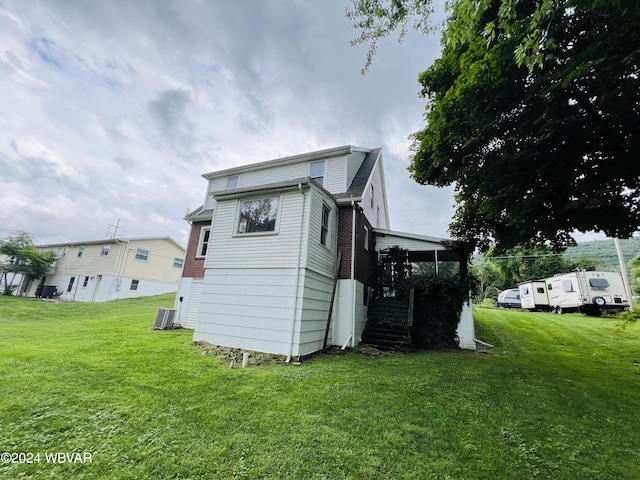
(356, 189)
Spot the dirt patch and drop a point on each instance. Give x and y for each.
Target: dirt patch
(233, 356)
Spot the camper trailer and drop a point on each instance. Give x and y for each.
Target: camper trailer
(509, 298)
(586, 292)
(533, 295)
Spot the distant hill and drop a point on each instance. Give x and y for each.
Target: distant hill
(605, 250)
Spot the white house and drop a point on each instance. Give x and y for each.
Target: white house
(279, 244)
(103, 270)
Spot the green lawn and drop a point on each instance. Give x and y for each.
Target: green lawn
(559, 397)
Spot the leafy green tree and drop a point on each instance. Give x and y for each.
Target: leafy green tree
(23, 258)
(533, 115)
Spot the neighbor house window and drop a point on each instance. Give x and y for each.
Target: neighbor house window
(203, 243)
(105, 250)
(232, 182)
(324, 228)
(178, 262)
(134, 285)
(80, 251)
(142, 254)
(85, 282)
(316, 172)
(65, 252)
(366, 238)
(70, 286)
(371, 201)
(258, 215)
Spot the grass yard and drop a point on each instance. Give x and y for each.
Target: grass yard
(559, 397)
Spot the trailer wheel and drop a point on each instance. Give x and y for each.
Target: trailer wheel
(559, 310)
(599, 301)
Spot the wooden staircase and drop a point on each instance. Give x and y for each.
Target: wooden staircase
(386, 336)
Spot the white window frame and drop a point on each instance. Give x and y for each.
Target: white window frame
(70, 285)
(178, 262)
(231, 180)
(134, 283)
(325, 229)
(80, 251)
(144, 256)
(105, 250)
(201, 242)
(320, 177)
(85, 282)
(276, 224)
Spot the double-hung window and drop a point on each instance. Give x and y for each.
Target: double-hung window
(203, 243)
(324, 227)
(142, 254)
(316, 172)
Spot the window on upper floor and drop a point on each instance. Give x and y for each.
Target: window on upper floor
(178, 262)
(80, 250)
(105, 250)
(324, 227)
(316, 172)
(142, 254)
(203, 242)
(371, 201)
(232, 182)
(65, 252)
(258, 215)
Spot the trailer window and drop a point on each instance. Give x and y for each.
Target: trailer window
(567, 286)
(549, 287)
(525, 290)
(598, 282)
(540, 289)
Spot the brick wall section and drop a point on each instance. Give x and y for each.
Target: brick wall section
(365, 259)
(194, 267)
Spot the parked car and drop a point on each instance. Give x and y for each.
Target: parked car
(509, 298)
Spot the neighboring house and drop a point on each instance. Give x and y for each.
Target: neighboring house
(262, 265)
(103, 270)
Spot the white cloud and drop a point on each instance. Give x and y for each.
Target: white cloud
(116, 108)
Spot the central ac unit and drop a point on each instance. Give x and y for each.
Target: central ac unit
(164, 319)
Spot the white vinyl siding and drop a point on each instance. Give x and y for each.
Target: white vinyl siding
(319, 257)
(229, 250)
(247, 308)
(314, 314)
(335, 181)
(195, 294)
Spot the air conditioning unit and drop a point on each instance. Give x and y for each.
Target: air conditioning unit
(164, 319)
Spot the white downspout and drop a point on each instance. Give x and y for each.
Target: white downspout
(353, 272)
(297, 281)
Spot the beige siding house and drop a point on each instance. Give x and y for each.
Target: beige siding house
(103, 270)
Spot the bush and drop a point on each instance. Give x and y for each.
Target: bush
(629, 316)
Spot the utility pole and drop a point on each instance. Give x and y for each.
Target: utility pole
(623, 271)
(115, 227)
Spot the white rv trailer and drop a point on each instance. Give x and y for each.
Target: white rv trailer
(587, 292)
(533, 295)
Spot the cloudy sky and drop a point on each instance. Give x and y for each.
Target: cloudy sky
(112, 110)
